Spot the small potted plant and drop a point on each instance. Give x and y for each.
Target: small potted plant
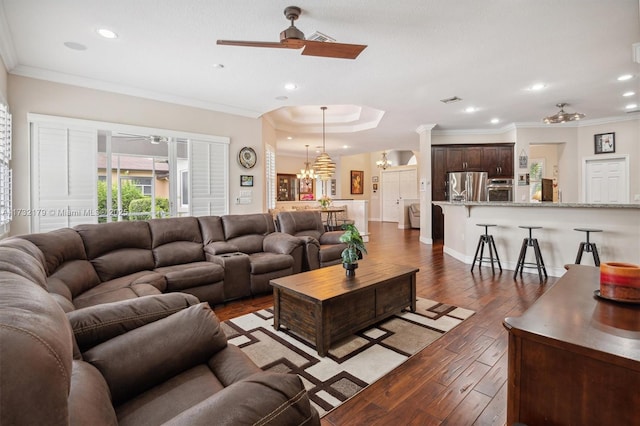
(355, 248)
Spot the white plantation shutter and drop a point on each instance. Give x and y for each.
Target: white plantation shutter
(5, 169)
(209, 177)
(270, 172)
(64, 177)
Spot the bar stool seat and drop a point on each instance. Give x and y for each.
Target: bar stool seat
(588, 246)
(486, 239)
(539, 264)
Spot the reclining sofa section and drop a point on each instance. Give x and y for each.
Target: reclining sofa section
(216, 259)
(158, 359)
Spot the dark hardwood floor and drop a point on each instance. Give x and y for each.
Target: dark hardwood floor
(459, 379)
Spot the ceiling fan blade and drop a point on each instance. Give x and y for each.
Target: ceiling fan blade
(332, 50)
(286, 44)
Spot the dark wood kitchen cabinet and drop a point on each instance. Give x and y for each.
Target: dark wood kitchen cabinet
(498, 161)
(464, 158)
(495, 159)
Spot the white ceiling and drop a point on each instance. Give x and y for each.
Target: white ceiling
(419, 51)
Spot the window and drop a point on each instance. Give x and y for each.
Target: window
(91, 172)
(536, 173)
(5, 169)
(142, 183)
(184, 188)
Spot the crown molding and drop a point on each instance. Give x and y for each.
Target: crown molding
(423, 128)
(56, 77)
(535, 125)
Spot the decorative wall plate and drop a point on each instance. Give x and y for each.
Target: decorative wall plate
(247, 157)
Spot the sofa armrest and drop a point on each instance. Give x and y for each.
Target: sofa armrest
(331, 237)
(141, 359)
(220, 247)
(96, 324)
(263, 398)
(281, 243)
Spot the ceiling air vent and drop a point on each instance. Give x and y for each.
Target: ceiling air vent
(450, 100)
(318, 36)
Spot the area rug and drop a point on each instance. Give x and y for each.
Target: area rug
(352, 363)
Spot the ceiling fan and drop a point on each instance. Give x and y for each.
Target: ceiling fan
(293, 38)
(154, 139)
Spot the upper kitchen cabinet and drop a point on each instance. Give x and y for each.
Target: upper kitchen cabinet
(464, 158)
(498, 161)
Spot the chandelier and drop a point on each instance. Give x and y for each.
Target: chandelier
(563, 117)
(324, 166)
(306, 175)
(383, 163)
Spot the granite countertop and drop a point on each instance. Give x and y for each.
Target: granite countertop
(535, 205)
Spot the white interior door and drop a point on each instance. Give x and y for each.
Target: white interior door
(390, 196)
(606, 181)
(396, 186)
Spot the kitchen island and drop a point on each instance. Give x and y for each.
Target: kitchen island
(619, 241)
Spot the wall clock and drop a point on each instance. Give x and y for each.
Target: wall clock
(247, 157)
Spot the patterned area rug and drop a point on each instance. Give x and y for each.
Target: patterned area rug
(352, 363)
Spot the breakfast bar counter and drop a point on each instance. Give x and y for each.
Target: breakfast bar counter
(619, 241)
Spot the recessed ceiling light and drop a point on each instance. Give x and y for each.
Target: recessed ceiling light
(289, 138)
(631, 106)
(282, 98)
(538, 86)
(495, 120)
(627, 94)
(290, 86)
(625, 77)
(218, 66)
(345, 146)
(107, 33)
(75, 46)
(470, 109)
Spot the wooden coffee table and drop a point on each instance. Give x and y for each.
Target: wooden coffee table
(324, 305)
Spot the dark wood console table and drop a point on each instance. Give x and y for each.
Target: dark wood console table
(574, 359)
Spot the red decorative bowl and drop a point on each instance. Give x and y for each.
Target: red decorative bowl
(620, 281)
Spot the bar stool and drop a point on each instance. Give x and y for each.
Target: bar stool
(530, 242)
(486, 239)
(588, 246)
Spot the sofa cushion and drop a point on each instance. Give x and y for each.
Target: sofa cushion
(262, 263)
(331, 253)
(190, 336)
(118, 248)
(131, 286)
(301, 223)
(167, 400)
(176, 241)
(89, 399)
(211, 229)
(247, 231)
(77, 275)
(58, 247)
(180, 277)
(97, 324)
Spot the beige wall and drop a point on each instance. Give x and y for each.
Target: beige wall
(37, 96)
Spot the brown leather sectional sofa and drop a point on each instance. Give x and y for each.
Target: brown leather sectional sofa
(146, 359)
(216, 259)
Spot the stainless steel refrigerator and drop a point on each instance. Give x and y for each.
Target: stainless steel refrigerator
(467, 186)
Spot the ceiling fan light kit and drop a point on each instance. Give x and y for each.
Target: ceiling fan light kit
(293, 38)
(562, 116)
